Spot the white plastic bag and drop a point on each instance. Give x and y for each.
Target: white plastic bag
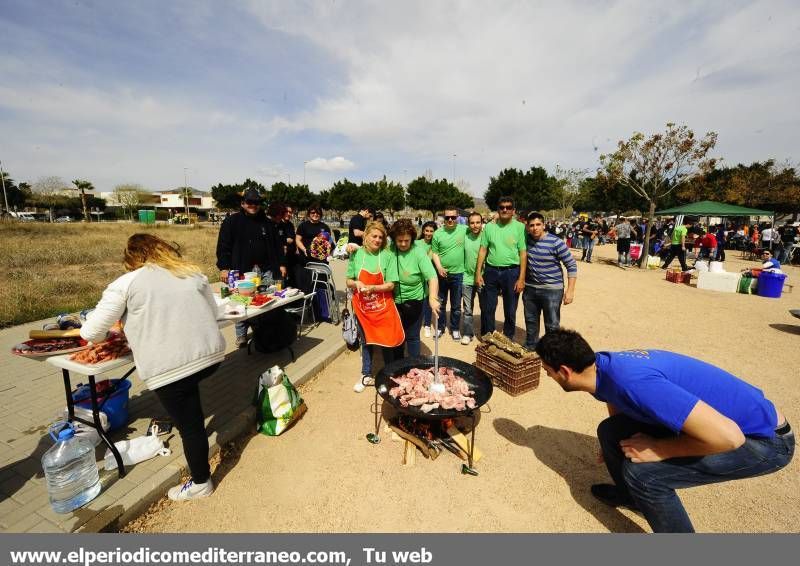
(86, 431)
(136, 450)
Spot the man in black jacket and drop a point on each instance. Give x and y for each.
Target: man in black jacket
(247, 239)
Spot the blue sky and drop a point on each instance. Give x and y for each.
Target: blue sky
(120, 92)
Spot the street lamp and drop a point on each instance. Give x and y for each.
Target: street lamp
(186, 193)
(3, 180)
(304, 172)
(454, 168)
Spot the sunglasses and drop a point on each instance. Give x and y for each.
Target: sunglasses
(505, 208)
(314, 212)
(450, 217)
(252, 202)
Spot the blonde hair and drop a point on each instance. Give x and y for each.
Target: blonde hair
(376, 225)
(144, 249)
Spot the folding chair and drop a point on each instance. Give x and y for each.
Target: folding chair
(322, 275)
(301, 310)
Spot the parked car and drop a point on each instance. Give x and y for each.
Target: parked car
(23, 216)
(63, 219)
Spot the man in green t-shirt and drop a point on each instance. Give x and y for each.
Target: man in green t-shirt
(472, 247)
(678, 244)
(447, 249)
(504, 253)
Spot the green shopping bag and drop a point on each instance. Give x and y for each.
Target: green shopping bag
(277, 407)
(747, 285)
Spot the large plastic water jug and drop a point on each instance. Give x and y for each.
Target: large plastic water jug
(70, 470)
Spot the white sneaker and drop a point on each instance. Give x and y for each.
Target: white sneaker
(439, 333)
(456, 335)
(465, 340)
(191, 490)
(362, 384)
(427, 331)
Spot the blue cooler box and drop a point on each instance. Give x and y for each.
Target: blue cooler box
(112, 398)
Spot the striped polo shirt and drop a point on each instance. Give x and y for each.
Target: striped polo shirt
(545, 257)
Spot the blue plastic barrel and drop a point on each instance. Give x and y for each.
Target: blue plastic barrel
(770, 284)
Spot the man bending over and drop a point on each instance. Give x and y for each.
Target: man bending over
(674, 422)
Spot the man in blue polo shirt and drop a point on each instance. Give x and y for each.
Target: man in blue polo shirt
(674, 422)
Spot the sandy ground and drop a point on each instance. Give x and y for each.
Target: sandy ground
(539, 448)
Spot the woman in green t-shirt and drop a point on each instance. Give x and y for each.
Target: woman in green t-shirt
(417, 279)
(372, 275)
(424, 242)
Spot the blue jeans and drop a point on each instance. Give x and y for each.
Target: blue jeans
(500, 282)
(470, 291)
(652, 485)
(427, 313)
(720, 252)
(367, 351)
(537, 301)
(240, 328)
(411, 317)
(452, 283)
(786, 251)
(587, 243)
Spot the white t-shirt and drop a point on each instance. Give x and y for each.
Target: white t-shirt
(766, 235)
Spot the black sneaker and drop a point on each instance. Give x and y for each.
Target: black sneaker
(610, 495)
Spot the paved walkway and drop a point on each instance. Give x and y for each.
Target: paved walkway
(32, 397)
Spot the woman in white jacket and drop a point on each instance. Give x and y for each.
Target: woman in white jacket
(169, 316)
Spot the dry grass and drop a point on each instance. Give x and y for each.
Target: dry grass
(46, 269)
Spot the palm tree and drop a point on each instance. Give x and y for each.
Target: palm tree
(186, 193)
(84, 186)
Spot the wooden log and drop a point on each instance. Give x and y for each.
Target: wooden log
(409, 453)
(418, 442)
(463, 443)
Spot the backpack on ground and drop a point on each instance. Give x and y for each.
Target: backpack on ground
(274, 331)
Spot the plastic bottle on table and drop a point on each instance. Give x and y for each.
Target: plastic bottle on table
(70, 470)
(257, 271)
(268, 278)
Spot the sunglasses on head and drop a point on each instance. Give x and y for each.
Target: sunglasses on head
(506, 207)
(450, 217)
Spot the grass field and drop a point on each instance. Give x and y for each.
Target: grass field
(46, 269)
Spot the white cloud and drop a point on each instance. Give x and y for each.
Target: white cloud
(333, 164)
(502, 84)
(517, 84)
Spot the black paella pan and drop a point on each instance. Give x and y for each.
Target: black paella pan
(478, 382)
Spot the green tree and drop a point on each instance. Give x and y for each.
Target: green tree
(299, 196)
(186, 194)
(229, 197)
(15, 195)
(343, 196)
(129, 196)
(82, 186)
(392, 195)
(48, 192)
(434, 195)
(653, 167)
(531, 190)
(567, 188)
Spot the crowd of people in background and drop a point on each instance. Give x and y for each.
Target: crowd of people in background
(399, 279)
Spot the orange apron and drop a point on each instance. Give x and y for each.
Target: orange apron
(377, 314)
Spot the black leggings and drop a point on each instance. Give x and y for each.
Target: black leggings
(181, 399)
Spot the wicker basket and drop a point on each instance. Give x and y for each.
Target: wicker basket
(513, 378)
(676, 276)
